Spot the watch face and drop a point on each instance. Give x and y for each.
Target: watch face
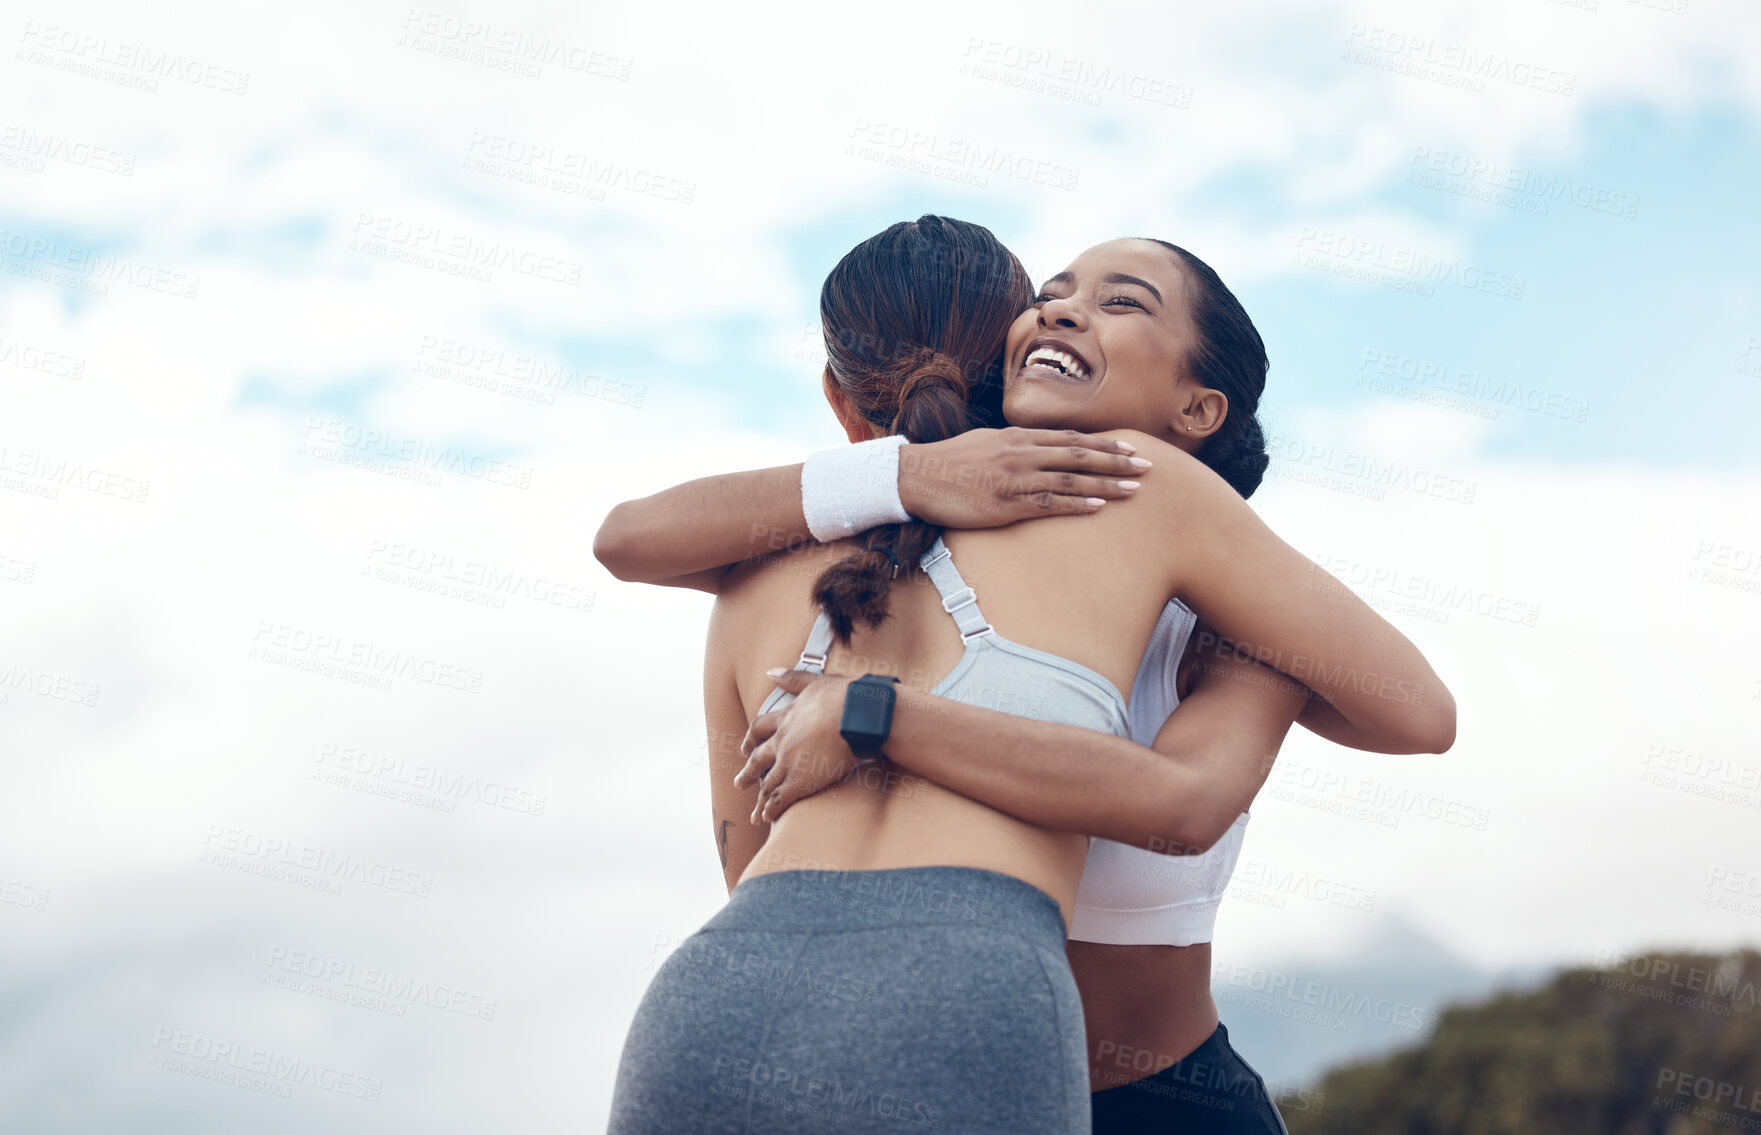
(868, 713)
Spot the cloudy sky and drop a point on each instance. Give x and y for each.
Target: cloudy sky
(329, 333)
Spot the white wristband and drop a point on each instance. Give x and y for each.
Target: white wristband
(852, 488)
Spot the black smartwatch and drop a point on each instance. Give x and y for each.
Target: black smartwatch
(868, 714)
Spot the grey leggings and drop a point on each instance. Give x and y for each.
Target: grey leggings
(916, 999)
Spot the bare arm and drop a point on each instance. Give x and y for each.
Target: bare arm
(1318, 715)
(686, 536)
(1178, 798)
(1288, 612)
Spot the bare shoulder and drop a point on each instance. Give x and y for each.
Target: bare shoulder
(1178, 481)
(757, 592)
(762, 615)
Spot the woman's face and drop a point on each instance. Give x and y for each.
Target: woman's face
(1104, 345)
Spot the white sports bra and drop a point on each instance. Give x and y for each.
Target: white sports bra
(1132, 897)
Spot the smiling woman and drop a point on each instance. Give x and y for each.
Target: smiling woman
(1200, 321)
(989, 809)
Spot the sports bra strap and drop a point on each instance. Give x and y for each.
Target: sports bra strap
(819, 642)
(958, 599)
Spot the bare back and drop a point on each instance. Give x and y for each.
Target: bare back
(1086, 589)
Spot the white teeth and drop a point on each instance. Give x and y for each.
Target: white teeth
(1063, 360)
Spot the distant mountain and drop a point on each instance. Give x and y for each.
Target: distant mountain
(1294, 1022)
(1664, 1044)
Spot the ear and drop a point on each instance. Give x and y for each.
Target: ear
(856, 427)
(1203, 413)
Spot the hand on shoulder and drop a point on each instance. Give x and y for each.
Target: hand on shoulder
(1176, 480)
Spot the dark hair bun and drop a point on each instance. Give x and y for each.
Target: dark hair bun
(915, 319)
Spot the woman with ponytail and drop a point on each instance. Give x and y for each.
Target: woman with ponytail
(905, 884)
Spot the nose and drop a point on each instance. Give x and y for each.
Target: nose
(1065, 312)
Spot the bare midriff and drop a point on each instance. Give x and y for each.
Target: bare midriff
(1145, 1007)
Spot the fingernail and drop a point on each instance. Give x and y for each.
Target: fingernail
(1129, 485)
(777, 671)
(1126, 447)
(1139, 463)
(1095, 502)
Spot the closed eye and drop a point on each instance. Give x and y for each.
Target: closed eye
(1126, 300)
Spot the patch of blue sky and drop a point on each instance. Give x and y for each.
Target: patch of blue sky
(1648, 326)
(763, 372)
(37, 252)
(349, 397)
(287, 246)
(355, 400)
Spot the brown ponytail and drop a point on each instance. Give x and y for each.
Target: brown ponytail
(914, 320)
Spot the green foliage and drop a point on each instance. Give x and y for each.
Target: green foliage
(1664, 1044)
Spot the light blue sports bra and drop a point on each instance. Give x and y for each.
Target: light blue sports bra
(1127, 895)
(993, 672)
